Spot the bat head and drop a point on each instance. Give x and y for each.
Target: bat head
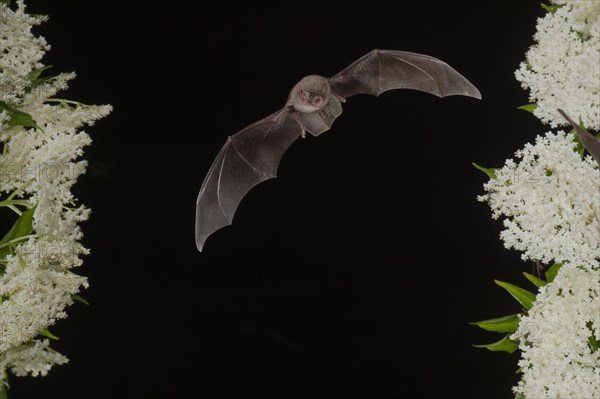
(310, 94)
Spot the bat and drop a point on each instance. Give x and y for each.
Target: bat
(589, 142)
(252, 155)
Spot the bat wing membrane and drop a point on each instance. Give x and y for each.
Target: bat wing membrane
(248, 158)
(382, 70)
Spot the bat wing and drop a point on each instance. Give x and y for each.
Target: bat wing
(248, 158)
(382, 70)
(591, 143)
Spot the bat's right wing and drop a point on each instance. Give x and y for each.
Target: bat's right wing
(248, 158)
(382, 70)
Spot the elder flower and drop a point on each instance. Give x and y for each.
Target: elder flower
(561, 69)
(550, 199)
(38, 166)
(557, 360)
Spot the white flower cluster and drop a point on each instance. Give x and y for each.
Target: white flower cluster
(561, 70)
(557, 360)
(35, 358)
(549, 198)
(22, 51)
(551, 201)
(36, 280)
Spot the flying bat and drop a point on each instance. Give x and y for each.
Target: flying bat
(589, 142)
(252, 155)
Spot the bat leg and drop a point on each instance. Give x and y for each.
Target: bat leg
(302, 127)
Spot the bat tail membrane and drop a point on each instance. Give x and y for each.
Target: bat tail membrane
(321, 121)
(382, 70)
(248, 158)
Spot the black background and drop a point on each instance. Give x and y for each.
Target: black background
(352, 275)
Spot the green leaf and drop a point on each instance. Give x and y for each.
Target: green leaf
(528, 107)
(551, 9)
(523, 296)
(46, 333)
(78, 298)
(592, 338)
(18, 118)
(538, 282)
(519, 396)
(34, 76)
(504, 345)
(500, 324)
(3, 387)
(491, 172)
(551, 273)
(22, 227)
(593, 343)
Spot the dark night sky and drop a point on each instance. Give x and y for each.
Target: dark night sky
(352, 275)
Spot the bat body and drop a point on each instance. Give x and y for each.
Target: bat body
(253, 154)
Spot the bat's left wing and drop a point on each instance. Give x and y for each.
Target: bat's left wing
(382, 70)
(248, 158)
